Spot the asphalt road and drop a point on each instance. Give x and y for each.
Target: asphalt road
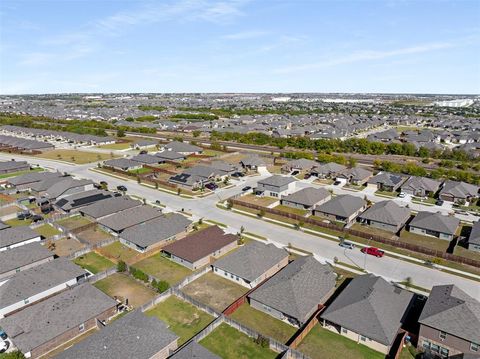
(388, 267)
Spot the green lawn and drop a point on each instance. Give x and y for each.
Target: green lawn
(163, 268)
(116, 146)
(183, 318)
(94, 262)
(263, 323)
(424, 241)
(140, 171)
(229, 343)
(75, 156)
(14, 174)
(74, 222)
(117, 251)
(409, 352)
(386, 193)
(47, 231)
(15, 222)
(300, 212)
(321, 343)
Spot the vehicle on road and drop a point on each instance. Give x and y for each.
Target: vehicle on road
(122, 188)
(373, 251)
(294, 173)
(247, 188)
(24, 215)
(143, 152)
(211, 186)
(336, 183)
(439, 202)
(402, 195)
(346, 244)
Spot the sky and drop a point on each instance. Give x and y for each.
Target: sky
(384, 46)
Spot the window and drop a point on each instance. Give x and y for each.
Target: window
(81, 327)
(344, 331)
(362, 338)
(444, 352)
(474, 347)
(426, 344)
(442, 335)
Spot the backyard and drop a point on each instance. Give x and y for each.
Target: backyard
(214, 291)
(263, 323)
(66, 246)
(18, 173)
(321, 343)
(47, 231)
(229, 343)
(124, 287)
(74, 156)
(74, 222)
(94, 235)
(184, 319)
(93, 262)
(163, 268)
(118, 252)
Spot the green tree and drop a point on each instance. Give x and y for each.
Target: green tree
(120, 133)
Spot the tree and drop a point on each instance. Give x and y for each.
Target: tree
(121, 266)
(120, 132)
(179, 191)
(196, 133)
(261, 213)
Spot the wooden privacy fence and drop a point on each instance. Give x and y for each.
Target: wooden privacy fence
(357, 233)
(295, 341)
(237, 303)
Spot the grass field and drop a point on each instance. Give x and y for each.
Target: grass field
(122, 286)
(424, 241)
(65, 247)
(15, 222)
(74, 156)
(372, 230)
(14, 174)
(47, 231)
(321, 343)
(183, 318)
(115, 146)
(74, 222)
(163, 268)
(229, 343)
(117, 251)
(263, 323)
(93, 262)
(261, 201)
(300, 212)
(214, 291)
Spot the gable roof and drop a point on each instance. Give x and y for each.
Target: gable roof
(110, 206)
(298, 288)
(435, 222)
(14, 235)
(301, 163)
(277, 181)
(427, 184)
(330, 167)
(61, 187)
(169, 155)
(200, 244)
(451, 310)
(156, 230)
(343, 205)
(46, 320)
(135, 335)
(387, 212)
(146, 158)
(122, 163)
(81, 199)
(182, 147)
(474, 237)
(388, 179)
(13, 165)
(459, 189)
(23, 255)
(308, 196)
(46, 183)
(357, 173)
(130, 217)
(253, 160)
(252, 260)
(32, 177)
(370, 306)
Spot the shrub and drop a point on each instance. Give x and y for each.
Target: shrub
(262, 341)
(138, 274)
(160, 286)
(121, 266)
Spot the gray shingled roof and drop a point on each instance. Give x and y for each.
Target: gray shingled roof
(61, 187)
(370, 306)
(110, 206)
(146, 158)
(33, 177)
(182, 147)
(135, 335)
(169, 155)
(122, 163)
(45, 184)
(23, 255)
(436, 222)
(13, 235)
(298, 288)
(308, 196)
(11, 166)
(427, 184)
(81, 199)
(453, 311)
(35, 280)
(459, 189)
(130, 217)
(474, 237)
(387, 179)
(387, 212)
(277, 181)
(343, 206)
(330, 167)
(252, 260)
(44, 321)
(193, 350)
(356, 173)
(253, 160)
(156, 230)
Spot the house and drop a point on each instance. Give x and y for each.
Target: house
(24, 182)
(385, 215)
(275, 186)
(369, 311)
(37, 283)
(251, 264)
(301, 164)
(193, 350)
(253, 163)
(357, 176)
(223, 168)
(67, 187)
(143, 144)
(296, 291)
(473, 242)
(118, 222)
(39, 188)
(109, 206)
(17, 236)
(199, 248)
(450, 323)
(343, 208)
(434, 225)
(13, 166)
(183, 148)
(385, 181)
(123, 164)
(458, 192)
(22, 258)
(46, 325)
(135, 335)
(73, 202)
(155, 233)
(147, 159)
(307, 198)
(420, 186)
(197, 176)
(170, 156)
(328, 170)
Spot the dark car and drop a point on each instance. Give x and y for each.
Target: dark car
(247, 188)
(336, 183)
(294, 173)
(37, 218)
(373, 251)
(103, 183)
(143, 152)
(122, 188)
(3, 335)
(211, 186)
(47, 209)
(238, 174)
(24, 215)
(439, 202)
(307, 176)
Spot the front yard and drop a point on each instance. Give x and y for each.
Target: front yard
(300, 212)
(321, 343)
(260, 201)
(263, 323)
(229, 343)
(424, 241)
(93, 262)
(124, 287)
(163, 268)
(183, 318)
(15, 222)
(214, 291)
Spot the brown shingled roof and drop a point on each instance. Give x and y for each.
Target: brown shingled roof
(200, 244)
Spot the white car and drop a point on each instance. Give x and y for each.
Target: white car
(4, 345)
(402, 195)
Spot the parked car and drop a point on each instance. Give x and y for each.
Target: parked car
(238, 174)
(294, 173)
(211, 186)
(307, 176)
(402, 195)
(247, 188)
(47, 209)
(143, 152)
(122, 188)
(24, 215)
(36, 218)
(347, 245)
(439, 202)
(373, 251)
(4, 345)
(336, 183)
(3, 335)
